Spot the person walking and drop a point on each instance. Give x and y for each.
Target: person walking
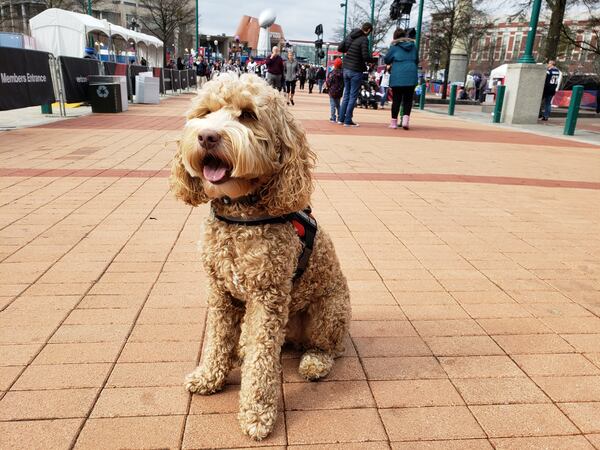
(312, 77)
(290, 71)
(402, 55)
(550, 86)
(274, 65)
(302, 76)
(201, 71)
(384, 85)
(335, 88)
(357, 55)
(321, 76)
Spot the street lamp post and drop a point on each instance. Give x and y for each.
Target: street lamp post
(197, 36)
(345, 6)
(533, 22)
(89, 7)
(419, 25)
(373, 24)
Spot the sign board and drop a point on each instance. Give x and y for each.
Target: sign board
(25, 78)
(75, 72)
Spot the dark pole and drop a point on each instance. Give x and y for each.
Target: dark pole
(345, 5)
(419, 25)
(533, 23)
(373, 30)
(197, 36)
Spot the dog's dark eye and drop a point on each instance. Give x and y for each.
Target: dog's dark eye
(248, 114)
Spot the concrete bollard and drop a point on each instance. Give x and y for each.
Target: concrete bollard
(573, 110)
(452, 102)
(501, 89)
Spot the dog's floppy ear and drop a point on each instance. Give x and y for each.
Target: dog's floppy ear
(183, 185)
(291, 187)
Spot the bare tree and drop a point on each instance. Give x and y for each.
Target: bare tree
(447, 27)
(590, 44)
(163, 17)
(360, 12)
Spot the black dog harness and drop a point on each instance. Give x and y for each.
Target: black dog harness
(304, 223)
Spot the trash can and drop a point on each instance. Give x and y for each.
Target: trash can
(105, 94)
(110, 79)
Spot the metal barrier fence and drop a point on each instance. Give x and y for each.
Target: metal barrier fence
(35, 78)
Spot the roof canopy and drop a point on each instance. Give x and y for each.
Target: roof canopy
(64, 33)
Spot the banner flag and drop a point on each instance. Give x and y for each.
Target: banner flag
(75, 72)
(25, 78)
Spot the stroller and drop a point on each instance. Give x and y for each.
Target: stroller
(369, 95)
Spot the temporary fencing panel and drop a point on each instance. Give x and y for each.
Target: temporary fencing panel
(158, 73)
(25, 78)
(183, 74)
(175, 79)
(168, 79)
(74, 73)
(192, 77)
(112, 68)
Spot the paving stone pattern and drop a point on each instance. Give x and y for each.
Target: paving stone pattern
(472, 253)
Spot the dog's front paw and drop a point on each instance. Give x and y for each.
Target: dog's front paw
(200, 382)
(258, 422)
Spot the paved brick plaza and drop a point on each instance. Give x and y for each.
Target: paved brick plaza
(472, 252)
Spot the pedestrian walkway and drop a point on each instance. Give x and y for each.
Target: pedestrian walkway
(472, 253)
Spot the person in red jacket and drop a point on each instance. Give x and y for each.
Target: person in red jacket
(274, 65)
(335, 87)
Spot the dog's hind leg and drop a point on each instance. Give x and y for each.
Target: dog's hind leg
(328, 322)
(222, 336)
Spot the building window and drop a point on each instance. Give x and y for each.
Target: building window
(517, 46)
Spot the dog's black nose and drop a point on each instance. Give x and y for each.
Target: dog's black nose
(209, 139)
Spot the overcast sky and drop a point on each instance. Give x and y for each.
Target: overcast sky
(298, 18)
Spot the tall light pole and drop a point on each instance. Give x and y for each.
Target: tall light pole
(345, 6)
(197, 36)
(419, 25)
(533, 23)
(89, 7)
(373, 30)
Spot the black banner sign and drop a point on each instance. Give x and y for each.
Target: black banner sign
(25, 78)
(192, 77)
(75, 72)
(168, 79)
(175, 79)
(184, 78)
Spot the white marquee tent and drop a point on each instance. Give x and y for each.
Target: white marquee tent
(65, 33)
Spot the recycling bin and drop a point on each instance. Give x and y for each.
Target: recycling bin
(105, 97)
(110, 79)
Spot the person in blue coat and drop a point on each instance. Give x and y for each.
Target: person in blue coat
(402, 56)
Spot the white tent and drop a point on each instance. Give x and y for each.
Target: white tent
(65, 33)
(497, 74)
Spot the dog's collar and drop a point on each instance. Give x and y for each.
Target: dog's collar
(303, 221)
(249, 199)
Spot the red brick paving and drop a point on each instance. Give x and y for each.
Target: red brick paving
(476, 299)
(422, 177)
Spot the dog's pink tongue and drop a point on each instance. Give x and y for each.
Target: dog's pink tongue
(214, 174)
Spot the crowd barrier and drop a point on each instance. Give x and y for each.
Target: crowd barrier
(34, 78)
(25, 78)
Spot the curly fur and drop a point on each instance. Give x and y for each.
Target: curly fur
(254, 304)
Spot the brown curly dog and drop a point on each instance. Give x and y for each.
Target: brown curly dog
(244, 152)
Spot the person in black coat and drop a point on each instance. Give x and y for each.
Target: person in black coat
(357, 55)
